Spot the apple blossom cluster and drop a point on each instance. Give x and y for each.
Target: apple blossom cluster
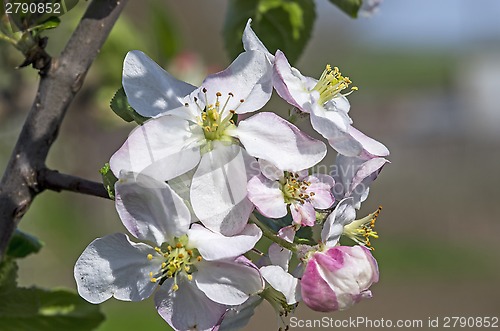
(201, 183)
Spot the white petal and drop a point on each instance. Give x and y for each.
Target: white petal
(162, 148)
(150, 209)
(290, 84)
(269, 170)
(215, 246)
(268, 136)
(252, 43)
(267, 197)
(228, 282)
(371, 147)
(219, 189)
(334, 224)
(151, 90)
(115, 266)
(238, 317)
(188, 308)
(283, 282)
(248, 78)
(278, 255)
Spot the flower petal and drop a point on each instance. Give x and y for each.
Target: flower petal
(115, 266)
(334, 224)
(188, 308)
(290, 84)
(303, 214)
(283, 282)
(322, 186)
(278, 255)
(268, 136)
(252, 43)
(315, 291)
(248, 78)
(150, 90)
(150, 209)
(162, 148)
(219, 189)
(269, 170)
(215, 246)
(267, 197)
(238, 317)
(228, 282)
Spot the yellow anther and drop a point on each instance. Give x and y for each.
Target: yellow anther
(190, 277)
(190, 252)
(175, 287)
(180, 255)
(153, 280)
(218, 94)
(150, 257)
(158, 249)
(151, 274)
(178, 245)
(199, 258)
(163, 265)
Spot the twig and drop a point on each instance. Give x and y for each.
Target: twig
(55, 181)
(57, 89)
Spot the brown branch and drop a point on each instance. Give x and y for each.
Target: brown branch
(55, 181)
(20, 183)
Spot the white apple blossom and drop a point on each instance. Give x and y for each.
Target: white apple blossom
(200, 273)
(200, 133)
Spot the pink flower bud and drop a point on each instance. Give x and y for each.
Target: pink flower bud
(338, 278)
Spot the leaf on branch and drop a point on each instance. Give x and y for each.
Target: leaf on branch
(108, 180)
(23, 244)
(119, 104)
(42, 310)
(350, 7)
(284, 25)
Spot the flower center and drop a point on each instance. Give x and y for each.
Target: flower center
(362, 230)
(295, 190)
(177, 259)
(215, 119)
(331, 83)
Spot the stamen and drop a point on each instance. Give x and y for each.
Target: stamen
(360, 231)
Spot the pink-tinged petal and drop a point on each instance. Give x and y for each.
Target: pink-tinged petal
(269, 170)
(150, 90)
(268, 136)
(278, 255)
(252, 43)
(370, 147)
(353, 176)
(162, 148)
(188, 308)
(334, 224)
(228, 282)
(267, 197)
(303, 214)
(113, 266)
(290, 84)
(349, 271)
(283, 282)
(215, 246)
(150, 209)
(322, 186)
(316, 293)
(219, 189)
(248, 78)
(339, 104)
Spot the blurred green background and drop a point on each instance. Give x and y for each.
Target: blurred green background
(429, 80)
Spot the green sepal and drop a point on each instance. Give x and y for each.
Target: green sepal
(350, 7)
(108, 180)
(119, 104)
(23, 244)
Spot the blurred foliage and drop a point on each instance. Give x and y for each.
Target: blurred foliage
(350, 7)
(23, 244)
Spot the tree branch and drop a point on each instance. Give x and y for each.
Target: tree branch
(20, 183)
(55, 181)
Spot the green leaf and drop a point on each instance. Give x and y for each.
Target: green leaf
(51, 23)
(23, 244)
(108, 180)
(350, 7)
(8, 274)
(284, 25)
(167, 42)
(119, 104)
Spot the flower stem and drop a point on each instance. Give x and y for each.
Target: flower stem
(268, 233)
